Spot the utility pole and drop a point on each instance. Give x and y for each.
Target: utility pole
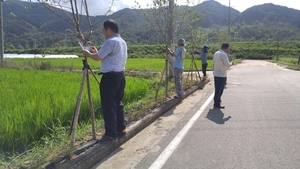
(171, 35)
(171, 21)
(229, 18)
(1, 34)
(169, 38)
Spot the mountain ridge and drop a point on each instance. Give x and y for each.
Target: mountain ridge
(26, 23)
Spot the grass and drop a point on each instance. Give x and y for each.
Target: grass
(32, 101)
(70, 64)
(290, 63)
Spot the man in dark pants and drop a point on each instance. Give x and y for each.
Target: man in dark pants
(113, 56)
(221, 63)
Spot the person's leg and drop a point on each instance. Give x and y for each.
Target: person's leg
(108, 89)
(219, 85)
(178, 82)
(224, 85)
(121, 125)
(204, 67)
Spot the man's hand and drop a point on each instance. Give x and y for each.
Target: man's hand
(86, 53)
(168, 50)
(93, 49)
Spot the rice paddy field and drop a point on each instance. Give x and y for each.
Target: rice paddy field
(33, 101)
(154, 64)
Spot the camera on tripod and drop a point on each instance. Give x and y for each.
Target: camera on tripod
(84, 47)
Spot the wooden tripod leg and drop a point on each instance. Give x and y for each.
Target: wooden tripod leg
(95, 76)
(190, 72)
(91, 105)
(166, 77)
(172, 70)
(160, 82)
(77, 109)
(197, 70)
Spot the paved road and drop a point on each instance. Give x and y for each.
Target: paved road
(260, 127)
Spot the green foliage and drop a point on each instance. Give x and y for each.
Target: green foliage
(260, 50)
(240, 50)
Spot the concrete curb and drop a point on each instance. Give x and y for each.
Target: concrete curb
(93, 153)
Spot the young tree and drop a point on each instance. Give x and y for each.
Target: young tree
(77, 13)
(190, 20)
(165, 17)
(161, 18)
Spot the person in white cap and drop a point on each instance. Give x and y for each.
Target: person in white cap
(203, 53)
(178, 65)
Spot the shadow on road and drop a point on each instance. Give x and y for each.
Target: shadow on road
(217, 116)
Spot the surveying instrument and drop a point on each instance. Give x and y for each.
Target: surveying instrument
(86, 77)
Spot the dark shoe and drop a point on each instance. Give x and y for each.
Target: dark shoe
(122, 134)
(219, 107)
(106, 139)
(175, 97)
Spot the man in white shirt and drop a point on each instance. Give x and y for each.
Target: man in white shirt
(221, 64)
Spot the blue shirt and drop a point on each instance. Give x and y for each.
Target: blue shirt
(113, 54)
(203, 56)
(178, 62)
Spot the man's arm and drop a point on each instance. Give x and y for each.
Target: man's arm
(92, 53)
(226, 61)
(197, 52)
(171, 52)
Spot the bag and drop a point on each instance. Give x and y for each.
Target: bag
(182, 53)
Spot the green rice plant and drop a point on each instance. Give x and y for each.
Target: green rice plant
(156, 64)
(69, 64)
(32, 101)
(55, 63)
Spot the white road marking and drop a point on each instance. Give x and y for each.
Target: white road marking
(164, 156)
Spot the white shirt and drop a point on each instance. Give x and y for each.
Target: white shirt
(221, 63)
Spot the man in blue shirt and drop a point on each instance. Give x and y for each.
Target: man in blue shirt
(203, 53)
(178, 66)
(113, 56)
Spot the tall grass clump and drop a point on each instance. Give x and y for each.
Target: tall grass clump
(33, 101)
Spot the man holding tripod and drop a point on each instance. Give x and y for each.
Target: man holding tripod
(113, 56)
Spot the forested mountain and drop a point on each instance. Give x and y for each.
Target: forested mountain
(269, 13)
(28, 24)
(214, 13)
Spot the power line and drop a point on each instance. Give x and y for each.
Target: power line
(229, 19)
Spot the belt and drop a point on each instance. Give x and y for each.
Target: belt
(112, 72)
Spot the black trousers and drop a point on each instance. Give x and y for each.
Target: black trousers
(204, 67)
(112, 87)
(219, 88)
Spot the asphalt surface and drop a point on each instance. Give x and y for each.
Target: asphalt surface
(259, 127)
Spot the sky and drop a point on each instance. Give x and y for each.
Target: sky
(99, 7)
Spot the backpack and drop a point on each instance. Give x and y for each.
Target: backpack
(182, 52)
